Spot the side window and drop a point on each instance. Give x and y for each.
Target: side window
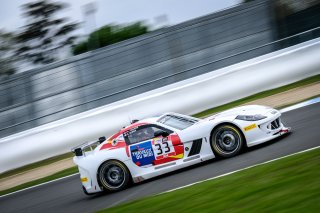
(142, 133)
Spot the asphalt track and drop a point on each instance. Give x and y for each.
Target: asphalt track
(66, 195)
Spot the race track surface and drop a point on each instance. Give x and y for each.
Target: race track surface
(66, 195)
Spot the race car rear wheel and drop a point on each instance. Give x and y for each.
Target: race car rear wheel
(113, 175)
(226, 141)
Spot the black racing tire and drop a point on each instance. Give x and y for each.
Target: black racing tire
(226, 141)
(113, 175)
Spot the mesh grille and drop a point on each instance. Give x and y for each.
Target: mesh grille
(275, 124)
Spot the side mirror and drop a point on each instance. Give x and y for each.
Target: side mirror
(161, 133)
(102, 139)
(78, 152)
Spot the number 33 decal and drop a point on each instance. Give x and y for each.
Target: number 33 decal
(162, 149)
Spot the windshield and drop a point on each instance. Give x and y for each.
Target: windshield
(177, 122)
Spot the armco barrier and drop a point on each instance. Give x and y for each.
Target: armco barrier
(188, 96)
(115, 72)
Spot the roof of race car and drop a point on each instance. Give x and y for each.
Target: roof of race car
(150, 120)
(138, 123)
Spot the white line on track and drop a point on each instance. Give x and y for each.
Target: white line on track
(302, 104)
(293, 107)
(239, 170)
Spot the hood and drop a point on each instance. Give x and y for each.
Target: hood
(242, 110)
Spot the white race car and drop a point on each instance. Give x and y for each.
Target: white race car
(162, 144)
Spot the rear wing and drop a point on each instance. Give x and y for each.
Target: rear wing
(87, 146)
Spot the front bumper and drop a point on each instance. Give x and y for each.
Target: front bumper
(258, 132)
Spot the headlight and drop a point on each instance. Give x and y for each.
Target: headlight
(251, 117)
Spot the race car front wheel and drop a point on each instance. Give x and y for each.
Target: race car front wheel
(226, 141)
(113, 175)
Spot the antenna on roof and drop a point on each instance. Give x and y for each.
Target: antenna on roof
(134, 121)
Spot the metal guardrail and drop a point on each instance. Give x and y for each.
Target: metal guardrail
(168, 76)
(293, 64)
(138, 65)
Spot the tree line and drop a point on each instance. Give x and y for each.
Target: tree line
(45, 33)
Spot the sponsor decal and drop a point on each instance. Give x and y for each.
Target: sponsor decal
(156, 151)
(252, 126)
(84, 179)
(142, 153)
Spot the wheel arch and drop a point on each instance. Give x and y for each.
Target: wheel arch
(112, 159)
(231, 124)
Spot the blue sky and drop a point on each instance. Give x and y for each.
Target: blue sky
(167, 12)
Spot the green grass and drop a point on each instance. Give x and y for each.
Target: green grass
(55, 176)
(260, 95)
(36, 165)
(291, 184)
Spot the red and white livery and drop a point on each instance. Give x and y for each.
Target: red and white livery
(162, 144)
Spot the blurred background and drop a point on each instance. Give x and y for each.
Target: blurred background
(60, 58)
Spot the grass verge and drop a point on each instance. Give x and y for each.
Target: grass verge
(55, 176)
(66, 172)
(287, 185)
(36, 165)
(260, 95)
